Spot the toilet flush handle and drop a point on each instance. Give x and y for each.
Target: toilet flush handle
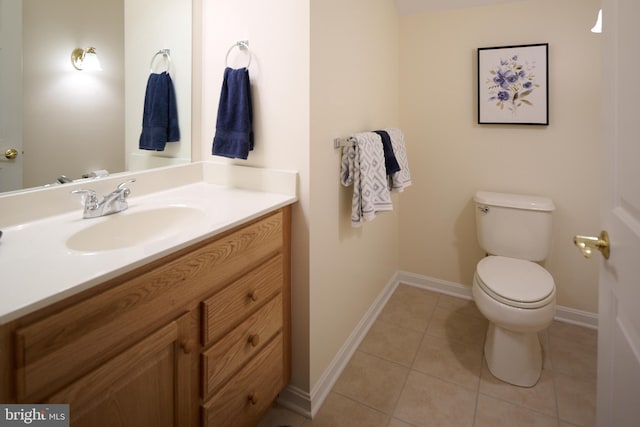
(484, 209)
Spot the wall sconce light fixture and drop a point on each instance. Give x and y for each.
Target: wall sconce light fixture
(85, 59)
(598, 27)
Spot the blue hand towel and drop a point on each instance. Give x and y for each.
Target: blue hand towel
(234, 127)
(160, 117)
(390, 161)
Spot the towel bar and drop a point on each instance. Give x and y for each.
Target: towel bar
(340, 142)
(242, 45)
(166, 53)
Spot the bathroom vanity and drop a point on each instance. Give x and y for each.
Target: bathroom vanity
(197, 334)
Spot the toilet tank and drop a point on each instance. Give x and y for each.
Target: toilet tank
(514, 225)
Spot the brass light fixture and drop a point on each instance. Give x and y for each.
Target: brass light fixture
(85, 59)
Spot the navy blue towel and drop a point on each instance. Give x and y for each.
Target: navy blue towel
(234, 127)
(390, 161)
(160, 117)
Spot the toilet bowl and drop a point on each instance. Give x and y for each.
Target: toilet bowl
(511, 290)
(518, 298)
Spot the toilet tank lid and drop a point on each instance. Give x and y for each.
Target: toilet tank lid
(517, 201)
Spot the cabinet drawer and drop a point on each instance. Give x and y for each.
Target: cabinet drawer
(245, 399)
(224, 359)
(59, 348)
(224, 310)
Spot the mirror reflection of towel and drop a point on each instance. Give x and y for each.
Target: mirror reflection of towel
(160, 117)
(234, 127)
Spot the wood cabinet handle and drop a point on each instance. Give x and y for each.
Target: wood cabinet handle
(188, 345)
(253, 295)
(253, 398)
(254, 339)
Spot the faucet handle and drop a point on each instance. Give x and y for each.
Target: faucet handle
(90, 199)
(123, 185)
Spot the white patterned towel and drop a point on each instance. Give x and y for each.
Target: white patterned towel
(363, 166)
(401, 179)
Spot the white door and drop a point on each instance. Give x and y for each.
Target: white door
(619, 307)
(10, 95)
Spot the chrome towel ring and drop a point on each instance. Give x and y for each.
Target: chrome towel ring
(166, 53)
(242, 45)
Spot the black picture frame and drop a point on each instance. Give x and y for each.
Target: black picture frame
(513, 85)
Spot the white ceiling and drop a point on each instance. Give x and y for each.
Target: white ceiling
(406, 7)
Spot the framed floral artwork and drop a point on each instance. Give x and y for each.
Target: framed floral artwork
(513, 84)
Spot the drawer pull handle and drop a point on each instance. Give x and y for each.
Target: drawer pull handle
(253, 398)
(254, 339)
(253, 296)
(188, 345)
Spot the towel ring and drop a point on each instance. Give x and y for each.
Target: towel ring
(166, 53)
(242, 45)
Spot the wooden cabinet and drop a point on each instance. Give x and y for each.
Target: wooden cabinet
(242, 360)
(169, 343)
(242, 401)
(146, 385)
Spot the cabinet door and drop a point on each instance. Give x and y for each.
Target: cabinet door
(147, 385)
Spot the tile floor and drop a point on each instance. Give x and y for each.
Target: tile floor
(421, 364)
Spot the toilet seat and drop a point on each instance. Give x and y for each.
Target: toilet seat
(515, 282)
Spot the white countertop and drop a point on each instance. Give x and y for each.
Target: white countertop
(37, 268)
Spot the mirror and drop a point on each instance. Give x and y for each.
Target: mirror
(63, 121)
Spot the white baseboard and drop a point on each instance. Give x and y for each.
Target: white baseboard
(436, 285)
(308, 404)
(563, 314)
(577, 317)
(296, 400)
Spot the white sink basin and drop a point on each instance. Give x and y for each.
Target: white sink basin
(126, 229)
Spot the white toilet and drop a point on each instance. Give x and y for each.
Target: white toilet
(516, 294)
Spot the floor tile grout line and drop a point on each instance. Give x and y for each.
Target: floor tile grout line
(360, 403)
(475, 409)
(410, 368)
(591, 378)
(553, 374)
(519, 406)
(404, 385)
(395, 404)
(424, 334)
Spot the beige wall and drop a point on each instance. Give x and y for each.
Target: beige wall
(72, 119)
(326, 68)
(278, 34)
(149, 26)
(452, 156)
(354, 88)
(337, 271)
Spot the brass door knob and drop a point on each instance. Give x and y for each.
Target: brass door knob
(587, 244)
(11, 153)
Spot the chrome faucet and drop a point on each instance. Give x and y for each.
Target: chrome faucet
(114, 202)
